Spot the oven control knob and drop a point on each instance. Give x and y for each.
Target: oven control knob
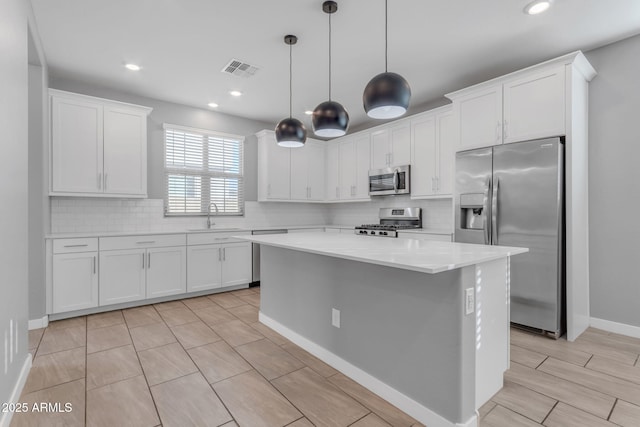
(373, 232)
(383, 232)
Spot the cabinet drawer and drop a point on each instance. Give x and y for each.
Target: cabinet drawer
(67, 246)
(148, 241)
(214, 237)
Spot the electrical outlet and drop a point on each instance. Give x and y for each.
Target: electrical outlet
(469, 301)
(335, 317)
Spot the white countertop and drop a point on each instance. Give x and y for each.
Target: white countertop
(408, 254)
(221, 230)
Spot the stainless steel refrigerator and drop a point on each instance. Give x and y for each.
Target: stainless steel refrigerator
(512, 195)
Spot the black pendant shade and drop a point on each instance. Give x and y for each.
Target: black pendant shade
(386, 96)
(290, 132)
(330, 119)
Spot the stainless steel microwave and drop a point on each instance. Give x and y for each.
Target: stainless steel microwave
(393, 180)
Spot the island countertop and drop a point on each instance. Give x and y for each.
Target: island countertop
(408, 254)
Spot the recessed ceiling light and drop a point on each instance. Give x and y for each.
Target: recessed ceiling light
(212, 105)
(235, 93)
(308, 112)
(132, 67)
(537, 6)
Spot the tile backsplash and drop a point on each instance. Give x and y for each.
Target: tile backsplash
(81, 215)
(436, 213)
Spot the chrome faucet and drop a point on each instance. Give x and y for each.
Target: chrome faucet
(209, 223)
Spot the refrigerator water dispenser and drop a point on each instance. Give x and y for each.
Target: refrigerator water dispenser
(471, 211)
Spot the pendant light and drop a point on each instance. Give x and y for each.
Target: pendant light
(290, 132)
(330, 119)
(387, 95)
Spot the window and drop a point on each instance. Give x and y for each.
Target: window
(201, 168)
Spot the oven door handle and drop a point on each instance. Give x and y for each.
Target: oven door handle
(396, 178)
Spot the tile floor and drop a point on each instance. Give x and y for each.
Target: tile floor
(207, 361)
(202, 361)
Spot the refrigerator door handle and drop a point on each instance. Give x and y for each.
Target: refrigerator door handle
(487, 223)
(494, 212)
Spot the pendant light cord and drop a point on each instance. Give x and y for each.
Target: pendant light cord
(385, 35)
(290, 80)
(329, 57)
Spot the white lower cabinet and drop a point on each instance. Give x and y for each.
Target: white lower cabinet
(75, 281)
(166, 271)
(136, 274)
(236, 264)
(204, 267)
(215, 266)
(122, 276)
(91, 272)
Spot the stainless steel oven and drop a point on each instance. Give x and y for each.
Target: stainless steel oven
(393, 180)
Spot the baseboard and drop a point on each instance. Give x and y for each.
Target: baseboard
(5, 418)
(393, 396)
(618, 328)
(39, 323)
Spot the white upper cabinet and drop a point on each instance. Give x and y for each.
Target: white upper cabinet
(432, 154)
(76, 145)
(391, 146)
(274, 168)
(98, 147)
(353, 157)
(400, 144)
(332, 171)
(529, 104)
(125, 151)
(290, 174)
(534, 106)
(479, 118)
(307, 172)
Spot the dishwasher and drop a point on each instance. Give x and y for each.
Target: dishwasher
(256, 252)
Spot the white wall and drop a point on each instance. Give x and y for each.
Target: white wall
(614, 175)
(13, 193)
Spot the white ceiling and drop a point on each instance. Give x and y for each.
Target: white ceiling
(438, 46)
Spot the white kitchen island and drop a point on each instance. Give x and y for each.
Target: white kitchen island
(423, 324)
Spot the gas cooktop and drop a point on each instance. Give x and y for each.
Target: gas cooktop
(392, 220)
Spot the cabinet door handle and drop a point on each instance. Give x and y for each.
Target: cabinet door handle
(94, 264)
(224, 254)
(390, 159)
(143, 260)
(149, 260)
(105, 181)
(219, 254)
(433, 185)
(145, 242)
(99, 181)
(506, 129)
(498, 131)
(437, 180)
(75, 246)
(221, 238)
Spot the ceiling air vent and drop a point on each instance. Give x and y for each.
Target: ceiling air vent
(238, 68)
